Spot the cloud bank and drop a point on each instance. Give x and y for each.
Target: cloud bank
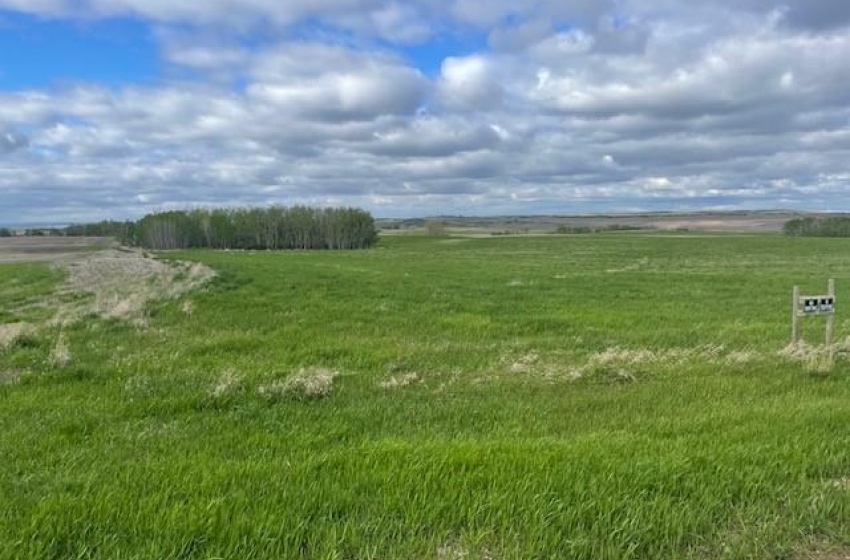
(547, 106)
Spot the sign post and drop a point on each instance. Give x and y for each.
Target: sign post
(795, 316)
(805, 306)
(830, 319)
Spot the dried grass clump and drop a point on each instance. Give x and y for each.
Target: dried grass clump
(461, 551)
(228, 384)
(741, 357)
(405, 380)
(10, 333)
(842, 483)
(815, 359)
(308, 384)
(60, 355)
(525, 363)
(618, 364)
(617, 356)
(452, 551)
(712, 353)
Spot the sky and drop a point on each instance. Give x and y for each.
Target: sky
(110, 109)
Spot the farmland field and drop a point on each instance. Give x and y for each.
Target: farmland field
(596, 397)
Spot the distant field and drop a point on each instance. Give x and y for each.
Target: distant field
(20, 249)
(728, 222)
(616, 396)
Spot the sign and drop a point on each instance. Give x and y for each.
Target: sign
(807, 306)
(816, 305)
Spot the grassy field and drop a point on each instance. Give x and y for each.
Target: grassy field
(595, 397)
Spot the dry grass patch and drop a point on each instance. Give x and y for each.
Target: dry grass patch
(817, 358)
(738, 357)
(820, 549)
(841, 483)
(670, 356)
(121, 283)
(228, 384)
(308, 384)
(528, 363)
(401, 381)
(60, 355)
(525, 363)
(620, 364)
(10, 333)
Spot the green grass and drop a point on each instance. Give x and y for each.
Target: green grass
(22, 287)
(602, 396)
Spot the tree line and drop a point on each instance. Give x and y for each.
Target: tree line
(275, 227)
(832, 226)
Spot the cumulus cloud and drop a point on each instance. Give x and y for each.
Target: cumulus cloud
(469, 83)
(431, 137)
(732, 75)
(327, 82)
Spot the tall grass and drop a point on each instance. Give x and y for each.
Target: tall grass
(601, 396)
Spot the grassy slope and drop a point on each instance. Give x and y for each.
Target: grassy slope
(498, 453)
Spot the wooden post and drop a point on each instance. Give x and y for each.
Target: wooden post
(795, 317)
(830, 319)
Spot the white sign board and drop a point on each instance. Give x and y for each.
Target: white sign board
(816, 305)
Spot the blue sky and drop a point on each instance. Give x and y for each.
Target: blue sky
(40, 53)
(115, 108)
(44, 53)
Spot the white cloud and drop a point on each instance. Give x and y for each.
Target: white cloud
(731, 75)
(570, 106)
(210, 58)
(469, 83)
(400, 23)
(333, 83)
(435, 137)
